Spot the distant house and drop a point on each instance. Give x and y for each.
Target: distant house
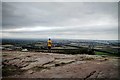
(24, 50)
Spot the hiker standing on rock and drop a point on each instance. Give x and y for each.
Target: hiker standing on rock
(49, 44)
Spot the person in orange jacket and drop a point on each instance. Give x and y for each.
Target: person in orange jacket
(49, 44)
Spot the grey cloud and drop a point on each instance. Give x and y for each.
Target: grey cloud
(0, 19)
(55, 14)
(64, 14)
(67, 31)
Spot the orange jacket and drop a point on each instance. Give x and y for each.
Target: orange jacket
(49, 43)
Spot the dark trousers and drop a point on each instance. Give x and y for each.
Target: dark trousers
(49, 48)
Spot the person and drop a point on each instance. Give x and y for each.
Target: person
(49, 44)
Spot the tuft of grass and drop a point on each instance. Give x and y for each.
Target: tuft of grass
(39, 68)
(62, 63)
(88, 58)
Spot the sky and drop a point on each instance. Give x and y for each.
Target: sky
(60, 20)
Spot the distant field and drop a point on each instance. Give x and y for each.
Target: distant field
(103, 53)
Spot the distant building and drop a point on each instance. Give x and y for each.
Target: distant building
(24, 50)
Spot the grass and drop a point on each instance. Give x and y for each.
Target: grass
(108, 54)
(100, 53)
(63, 63)
(79, 51)
(39, 68)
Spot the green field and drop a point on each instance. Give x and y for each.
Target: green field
(103, 53)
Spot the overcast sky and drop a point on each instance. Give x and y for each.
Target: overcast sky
(61, 20)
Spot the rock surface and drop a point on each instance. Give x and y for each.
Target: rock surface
(53, 65)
